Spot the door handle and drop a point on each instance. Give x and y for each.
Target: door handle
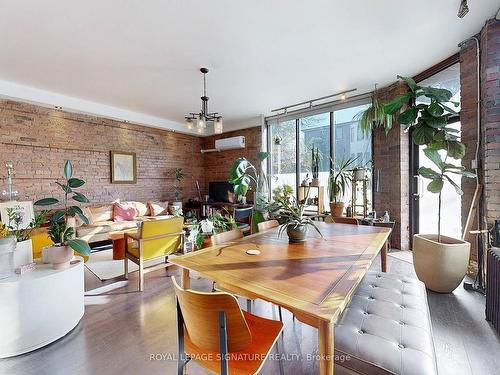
(420, 187)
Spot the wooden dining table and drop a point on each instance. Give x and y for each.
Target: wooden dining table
(314, 279)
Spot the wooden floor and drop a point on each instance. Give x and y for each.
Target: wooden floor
(128, 332)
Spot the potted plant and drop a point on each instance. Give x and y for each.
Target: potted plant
(374, 116)
(338, 182)
(315, 160)
(290, 213)
(440, 261)
(179, 176)
(245, 176)
(60, 232)
(24, 248)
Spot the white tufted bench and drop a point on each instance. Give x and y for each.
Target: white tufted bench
(386, 329)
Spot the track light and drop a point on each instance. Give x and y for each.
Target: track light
(463, 9)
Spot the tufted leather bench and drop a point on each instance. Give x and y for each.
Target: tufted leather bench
(386, 329)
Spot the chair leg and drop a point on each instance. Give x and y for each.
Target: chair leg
(280, 313)
(125, 268)
(249, 305)
(141, 275)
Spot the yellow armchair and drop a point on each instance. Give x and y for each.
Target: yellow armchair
(156, 239)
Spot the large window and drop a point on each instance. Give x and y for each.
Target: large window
(335, 133)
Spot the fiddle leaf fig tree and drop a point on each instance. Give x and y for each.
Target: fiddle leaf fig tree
(59, 231)
(428, 119)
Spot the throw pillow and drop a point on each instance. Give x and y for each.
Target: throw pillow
(122, 212)
(158, 208)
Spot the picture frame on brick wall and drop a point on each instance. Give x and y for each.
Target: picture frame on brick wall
(123, 167)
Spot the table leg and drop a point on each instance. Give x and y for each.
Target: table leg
(383, 256)
(326, 348)
(186, 281)
(119, 249)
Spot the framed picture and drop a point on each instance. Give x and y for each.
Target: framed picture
(123, 167)
(24, 211)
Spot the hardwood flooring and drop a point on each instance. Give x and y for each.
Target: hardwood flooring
(127, 332)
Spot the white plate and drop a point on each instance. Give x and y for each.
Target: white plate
(253, 252)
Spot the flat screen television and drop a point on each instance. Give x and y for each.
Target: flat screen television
(220, 191)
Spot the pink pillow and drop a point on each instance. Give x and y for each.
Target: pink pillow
(123, 212)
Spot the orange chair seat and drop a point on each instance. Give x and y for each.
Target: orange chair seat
(264, 333)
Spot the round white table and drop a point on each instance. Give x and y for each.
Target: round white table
(39, 307)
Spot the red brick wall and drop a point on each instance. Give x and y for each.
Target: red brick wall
(391, 158)
(490, 99)
(38, 140)
(217, 164)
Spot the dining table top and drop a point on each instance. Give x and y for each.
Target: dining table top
(314, 279)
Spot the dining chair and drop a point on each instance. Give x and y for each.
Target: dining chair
(213, 331)
(155, 239)
(268, 224)
(243, 217)
(224, 237)
(341, 220)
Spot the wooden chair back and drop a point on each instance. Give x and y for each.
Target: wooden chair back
(160, 236)
(345, 220)
(200, 312)
(268, 224)
(232, 235)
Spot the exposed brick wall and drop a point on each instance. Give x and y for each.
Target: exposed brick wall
(391, 158)
(217, 164)
(490, 107)
(38, 140)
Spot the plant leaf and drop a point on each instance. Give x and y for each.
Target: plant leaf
(80, 246)
(395, 104)
(80, 198)
(435, 109)
(66, 188)
(428, 173)
(68, 170)
(457, 188)
(436, 185)
(261, 156)
(408, 116)
(433, 155)
(440, 95)
(58, 215)
(410, 82)
(456, 149)
(422, 135)
(75, 183)
(46, 202)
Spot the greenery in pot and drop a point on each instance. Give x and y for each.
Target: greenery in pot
(338, 182)
(213, 224)
(430, 128)
(245, 176)
(59, 231)
(15, 220)
(179, 176)
(290, 213)
(315, 160)
(374, 116)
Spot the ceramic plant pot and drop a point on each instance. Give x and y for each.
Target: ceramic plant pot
(315, 182)
(336, 208)
(441, 266)
(60, 256)
(296, 233)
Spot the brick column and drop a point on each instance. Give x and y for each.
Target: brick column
(391, 158)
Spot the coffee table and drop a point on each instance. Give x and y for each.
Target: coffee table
(118, 239)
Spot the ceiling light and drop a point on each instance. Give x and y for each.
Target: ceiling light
(342, 97)
(204, 116)
(463, 9)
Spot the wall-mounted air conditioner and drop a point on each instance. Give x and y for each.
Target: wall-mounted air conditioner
(227, 144)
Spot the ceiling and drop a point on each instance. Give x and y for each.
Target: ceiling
(138, 60)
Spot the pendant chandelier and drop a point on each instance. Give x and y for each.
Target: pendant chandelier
(200, 119)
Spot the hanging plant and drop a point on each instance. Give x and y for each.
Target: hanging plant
(277, 139)
(374, 116)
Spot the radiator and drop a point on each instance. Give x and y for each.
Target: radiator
(493, 287)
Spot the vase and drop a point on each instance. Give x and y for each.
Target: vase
(358, 174)
(296, 233)
(23, 253)
(60, 256)
(315, 181)
(336, 209)
(441, 266)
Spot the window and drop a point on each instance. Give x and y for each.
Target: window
(283, 154)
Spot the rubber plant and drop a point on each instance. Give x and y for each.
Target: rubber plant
(374, 116)
(244, 176)
(429, 124)
(59, 231)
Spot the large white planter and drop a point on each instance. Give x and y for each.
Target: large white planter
(441, 266)
(23, 254)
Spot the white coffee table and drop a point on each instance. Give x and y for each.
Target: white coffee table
(39, 307)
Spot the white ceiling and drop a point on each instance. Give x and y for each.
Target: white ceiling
(139, 60)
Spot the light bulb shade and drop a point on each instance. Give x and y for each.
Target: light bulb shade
(218, 127)
(201, 123)
(189, 123)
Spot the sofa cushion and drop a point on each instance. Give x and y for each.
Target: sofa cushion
(157, 208)
(386, 328)
(141, 209)
(94, 228)
(101, 213)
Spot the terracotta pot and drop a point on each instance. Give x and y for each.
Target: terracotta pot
(441, 266)
(296, 233)
(336, 209)
(60, 256)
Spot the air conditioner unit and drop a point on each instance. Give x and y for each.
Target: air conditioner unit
(230, 143)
